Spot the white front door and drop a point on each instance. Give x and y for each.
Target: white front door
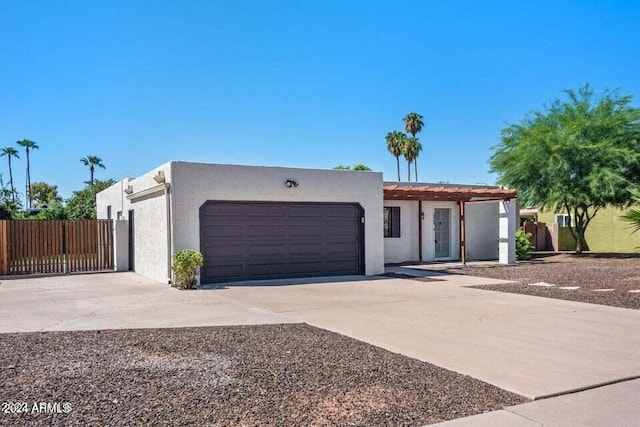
(442, 232)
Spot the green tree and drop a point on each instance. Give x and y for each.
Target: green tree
(10, 152)
(82, 204)
(413, 123)
(356, 167)
(92, 162)
(9, 207)
(395, 145)
(360, 167)
(577, 155)
(28, 147)
(43, 194)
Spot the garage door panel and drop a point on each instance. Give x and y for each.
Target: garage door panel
(273, 249)
(303, 248)
(265, 230)
(223, 230)
(249, 240)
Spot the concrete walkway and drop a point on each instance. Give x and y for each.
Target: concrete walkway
(613, 405)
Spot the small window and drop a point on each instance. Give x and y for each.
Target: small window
(563, 220)
(109, 212)
(119, 215)
(392, 222)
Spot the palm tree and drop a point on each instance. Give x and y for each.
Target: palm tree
(28, 146)
(409, 152)
(395, 145)
(632, 216)
(10, 152)
(417, 148)
(92, 162)
(413, 123)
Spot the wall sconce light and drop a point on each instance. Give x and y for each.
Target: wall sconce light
(159, 177)
(291, 183)
(421, 215)
(129, 190)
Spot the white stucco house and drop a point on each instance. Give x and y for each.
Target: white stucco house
(254, 222)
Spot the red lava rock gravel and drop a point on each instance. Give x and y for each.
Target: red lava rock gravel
(278, 375)
(620, 272)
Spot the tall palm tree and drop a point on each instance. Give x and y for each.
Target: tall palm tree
(92, 162)
(417, 148)
(28, 146)
(409, 152)
(413, 123)
(10, 152)
(395, 145)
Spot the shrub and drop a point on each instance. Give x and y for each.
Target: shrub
(523, 245)
(186, 265)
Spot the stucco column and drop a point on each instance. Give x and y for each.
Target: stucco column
(121, 245)
(507, 234)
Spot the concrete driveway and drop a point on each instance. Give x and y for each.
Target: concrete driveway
(115, 301)
(536, 347)
(533, 346)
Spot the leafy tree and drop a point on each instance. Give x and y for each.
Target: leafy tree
(395, 145)
(82, 204)
(357, 167)
(10, 152)
(28, 146)
(92, 162)
(44, 194)
(361, 167)
(9, 206)
(413, 123)
(577, 155)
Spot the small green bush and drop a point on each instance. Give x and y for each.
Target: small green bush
(523, 245)
(186, 265)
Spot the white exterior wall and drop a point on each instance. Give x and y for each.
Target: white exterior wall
(508, 214)
(195, 183)
(428, 230)
(403, 248)
(151, 255)
(481, 226)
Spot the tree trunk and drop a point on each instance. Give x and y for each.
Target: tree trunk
(415, 165)
(408, 171)
(28, 181)
(580, 242)
(398, 164)
(91, 170)
(13, 190)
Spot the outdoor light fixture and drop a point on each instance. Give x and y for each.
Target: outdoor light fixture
(421, 215)
(291, 183)
(129, 189)
(159, 177)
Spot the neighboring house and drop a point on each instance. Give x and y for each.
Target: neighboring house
(253, 222)
(607, 232)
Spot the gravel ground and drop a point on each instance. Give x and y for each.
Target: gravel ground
(280, 375)
(620, 272)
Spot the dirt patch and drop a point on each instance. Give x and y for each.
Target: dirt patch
(280, 375)
(590, 272)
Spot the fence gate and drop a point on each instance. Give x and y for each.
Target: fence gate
(55, 246)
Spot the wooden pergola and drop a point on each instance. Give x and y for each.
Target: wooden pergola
(447, 193)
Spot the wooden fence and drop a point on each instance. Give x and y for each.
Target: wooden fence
(539, 235)
(55, 246)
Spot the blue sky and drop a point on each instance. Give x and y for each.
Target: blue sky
(293, 83)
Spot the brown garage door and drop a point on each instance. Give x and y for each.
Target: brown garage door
(264, 240)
